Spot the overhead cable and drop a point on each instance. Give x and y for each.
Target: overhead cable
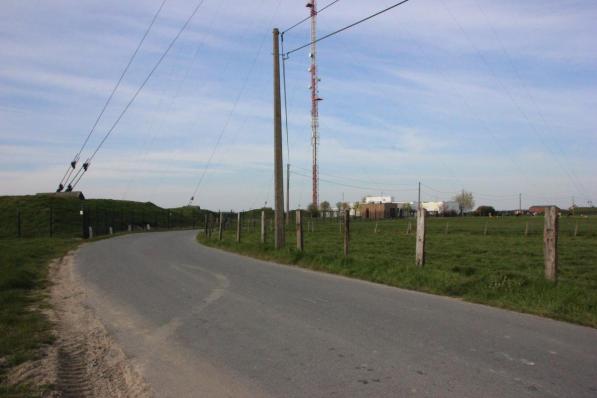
(309, 17)
(346, 27)
(75, 160)
(87, 163)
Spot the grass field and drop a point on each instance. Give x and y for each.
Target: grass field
(23, 327)
(503, 268)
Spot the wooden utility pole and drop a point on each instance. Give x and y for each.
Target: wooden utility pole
(278, 170)
(550, 243)
(420, 247)
(238, 227)
(346, 232)
(263, 226)
(220, 230)
(300, 243)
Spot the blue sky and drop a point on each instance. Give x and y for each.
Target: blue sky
(498, 98)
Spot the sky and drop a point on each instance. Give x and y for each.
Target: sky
(495, 97)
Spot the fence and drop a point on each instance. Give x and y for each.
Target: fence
(83, 221)
(512, 239)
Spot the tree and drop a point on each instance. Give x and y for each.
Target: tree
(485, 211)
(407, 209)
(465, 200)
(339, 205)
(325, 207)
(344, 206)
(313, 210)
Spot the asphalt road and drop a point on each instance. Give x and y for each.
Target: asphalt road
(199, 322)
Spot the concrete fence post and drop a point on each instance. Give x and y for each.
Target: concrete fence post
(300, 243)
(550, 243)
(90, 233)
(263, 226)
(576, 229)
(526, 229)
(111, 230)
(238, 227)
(409, 228)
(420, 246)
(346, 232)
(220, 226)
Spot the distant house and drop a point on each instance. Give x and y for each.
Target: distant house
(538, 210)
(378, 211)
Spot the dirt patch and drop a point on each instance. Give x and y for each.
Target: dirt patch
(84, 361)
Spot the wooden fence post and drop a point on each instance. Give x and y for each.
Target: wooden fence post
(206, 217)
(220, 231)
(263, 226)
(346, 232)
(18, 223)
(51, 222)
(550, 243)
(238, 227)
(300, 243)
(420, 247)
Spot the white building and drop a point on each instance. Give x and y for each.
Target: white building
(378, 199)
(441, 207)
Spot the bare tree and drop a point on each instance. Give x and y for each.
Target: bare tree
(313, 210)
(465, 200)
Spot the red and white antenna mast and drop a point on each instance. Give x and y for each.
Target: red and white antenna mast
(312, 4)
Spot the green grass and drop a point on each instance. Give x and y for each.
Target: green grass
(502, 269)
(23, 262)
(24, 329)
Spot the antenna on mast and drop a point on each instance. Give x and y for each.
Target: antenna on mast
(312, 4)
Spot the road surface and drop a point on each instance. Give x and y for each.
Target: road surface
(199, 322)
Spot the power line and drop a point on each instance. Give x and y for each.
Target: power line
(309, 17)
(397, 186)
(235, 104)
(346, 27)
(105, 106)
(85, 166)
(509, 95)
(368, 188)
